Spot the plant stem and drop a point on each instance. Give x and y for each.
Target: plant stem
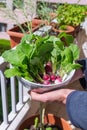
(42, 112)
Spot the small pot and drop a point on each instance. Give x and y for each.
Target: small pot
(69, 30)
(49, 118)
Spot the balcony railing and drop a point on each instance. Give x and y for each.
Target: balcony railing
(18, 108)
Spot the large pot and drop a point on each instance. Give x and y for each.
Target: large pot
(16, 34)
(49, 118)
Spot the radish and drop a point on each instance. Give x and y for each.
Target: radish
(46, 82)
(53, 77)
(58, 80)
(48, 67)
(46, 77)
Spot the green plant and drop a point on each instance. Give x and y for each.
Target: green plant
(71, 14)
(43, 10)
(26, 9)
(34, 52)
(2, 5)
(4, 45)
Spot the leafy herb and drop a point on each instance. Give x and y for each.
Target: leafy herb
(30, 56)
(71, 14)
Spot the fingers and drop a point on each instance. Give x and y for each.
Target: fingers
(37, 96)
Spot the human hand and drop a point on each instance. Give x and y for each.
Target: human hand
(59, 95)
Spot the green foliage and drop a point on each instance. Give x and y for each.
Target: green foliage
(2, 4)
(71, 14)
(43, 10)
(4, 45)
(30, 56)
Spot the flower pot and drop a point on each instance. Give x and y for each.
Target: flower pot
(16, 34)
(68, 30)
(49, 118)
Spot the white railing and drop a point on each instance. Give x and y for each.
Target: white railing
(19, 108)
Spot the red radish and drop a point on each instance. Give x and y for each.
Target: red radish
(46, 77)
(46, 82)
(53, 77)
(58, 80)
(48, 67)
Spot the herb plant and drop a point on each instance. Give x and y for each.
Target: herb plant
(71, 14)
(30, 57)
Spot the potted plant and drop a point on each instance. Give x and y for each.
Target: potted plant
(70, 15)
(28, 25)
(17, 32)
(50, 122)
(46, 10)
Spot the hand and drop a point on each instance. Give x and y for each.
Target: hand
(59, 95)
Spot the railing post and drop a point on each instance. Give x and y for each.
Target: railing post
(4, 97)
(13, 95)
(20, 92)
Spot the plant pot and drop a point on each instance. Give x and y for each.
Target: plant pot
(49, 118)
(77, 29)
(69, 29)
(16, 34)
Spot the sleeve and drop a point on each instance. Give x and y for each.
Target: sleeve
(76, 106)
(83, 81)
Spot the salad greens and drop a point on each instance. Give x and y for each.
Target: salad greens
(32, 54)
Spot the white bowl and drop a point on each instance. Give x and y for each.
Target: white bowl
(43, 88)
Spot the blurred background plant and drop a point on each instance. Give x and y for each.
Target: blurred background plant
(45, 9)
(4, 45)
(71, 14)
(25, 9)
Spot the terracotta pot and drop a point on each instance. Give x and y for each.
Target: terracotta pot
(49, 118)
(16, 34)
(77, 29)
(69, 30)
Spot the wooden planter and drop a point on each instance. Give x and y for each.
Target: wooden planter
(49, 118)
(16, 34)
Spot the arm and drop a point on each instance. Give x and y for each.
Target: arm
(76, 105)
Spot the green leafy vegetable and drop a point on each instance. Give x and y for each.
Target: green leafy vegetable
(31, 55)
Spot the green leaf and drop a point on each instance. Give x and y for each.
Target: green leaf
(75, 50)
(67, 55)
(12, 72)
(15, 57)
